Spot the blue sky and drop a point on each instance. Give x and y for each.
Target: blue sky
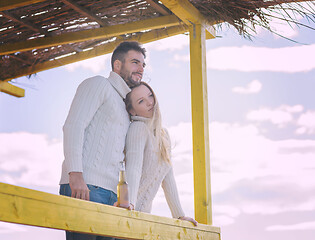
(262, 130)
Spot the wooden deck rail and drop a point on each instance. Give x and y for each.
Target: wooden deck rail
(30, 207)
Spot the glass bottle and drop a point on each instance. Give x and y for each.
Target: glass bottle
(122, 188)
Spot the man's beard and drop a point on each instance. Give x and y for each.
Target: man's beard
(130, 82)
(128, 78)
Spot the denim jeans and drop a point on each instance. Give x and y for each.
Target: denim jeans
(97, 194)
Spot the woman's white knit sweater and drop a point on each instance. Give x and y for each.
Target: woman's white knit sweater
(146, 172)
(95, 131)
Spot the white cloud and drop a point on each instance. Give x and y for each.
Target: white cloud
(279, 26)
(285, 114)
(223, 220)
(30, 159)
(96, 64)
(299, 226)
(292, 109)
(249, 59)
(279, 116)
(10, 228)
(290, 30)
(182, 58)
(276, 206)
(282, 27)
(251, 174)
(227, 210)
(306, 123)
(253, 87)
(261, 173)
(177, 42)
(25, 232)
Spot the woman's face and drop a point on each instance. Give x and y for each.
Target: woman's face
(142, 101)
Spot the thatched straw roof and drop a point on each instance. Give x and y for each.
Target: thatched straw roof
(39, 19)
(246, 15)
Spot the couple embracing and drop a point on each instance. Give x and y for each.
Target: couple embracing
(112, 119)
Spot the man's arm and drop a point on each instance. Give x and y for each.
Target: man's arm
(90, 95)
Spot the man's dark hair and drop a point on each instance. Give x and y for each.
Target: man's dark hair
(122, 49)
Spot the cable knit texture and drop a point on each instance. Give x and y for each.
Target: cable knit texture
(95, 131)
(146, 172)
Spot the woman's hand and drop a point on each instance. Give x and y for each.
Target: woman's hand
(189, 219)
(131, 207)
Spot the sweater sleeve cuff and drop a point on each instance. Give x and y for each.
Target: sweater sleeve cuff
(74, 166)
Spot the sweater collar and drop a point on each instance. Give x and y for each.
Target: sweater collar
(142, 119)
(119, 84)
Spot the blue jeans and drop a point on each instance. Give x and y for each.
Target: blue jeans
(97, 194)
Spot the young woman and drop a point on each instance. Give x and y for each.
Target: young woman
(148, 150)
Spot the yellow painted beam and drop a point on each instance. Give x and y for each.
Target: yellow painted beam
(100, 50)
(200, 122)
(30, 207)
(92, 34)
(190, 15)
(10, 4)
(11, 89)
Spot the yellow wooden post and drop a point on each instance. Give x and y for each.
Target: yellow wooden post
(199, 101)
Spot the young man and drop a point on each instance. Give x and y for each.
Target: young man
(95, 131)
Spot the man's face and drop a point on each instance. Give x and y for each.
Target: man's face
(132, 68)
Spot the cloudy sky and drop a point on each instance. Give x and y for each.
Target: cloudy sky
(262, 130)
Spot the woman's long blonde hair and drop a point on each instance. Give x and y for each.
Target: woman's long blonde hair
(160, 134)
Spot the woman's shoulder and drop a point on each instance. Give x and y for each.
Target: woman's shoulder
(167, 135)
(138, 126)
(137, 132)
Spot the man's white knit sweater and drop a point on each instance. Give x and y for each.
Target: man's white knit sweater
(95, 131)
(146, 172)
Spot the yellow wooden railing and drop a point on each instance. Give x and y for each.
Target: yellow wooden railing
(30, 207)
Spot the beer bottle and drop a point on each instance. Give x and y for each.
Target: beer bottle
(122, 188)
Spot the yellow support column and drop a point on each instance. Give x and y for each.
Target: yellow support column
(199, 101)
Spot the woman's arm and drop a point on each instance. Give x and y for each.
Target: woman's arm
(135, 144)
(171, 194)
(172, 198)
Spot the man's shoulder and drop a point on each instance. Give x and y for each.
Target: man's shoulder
(97, 87)
(96, 79)
(95, 83)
